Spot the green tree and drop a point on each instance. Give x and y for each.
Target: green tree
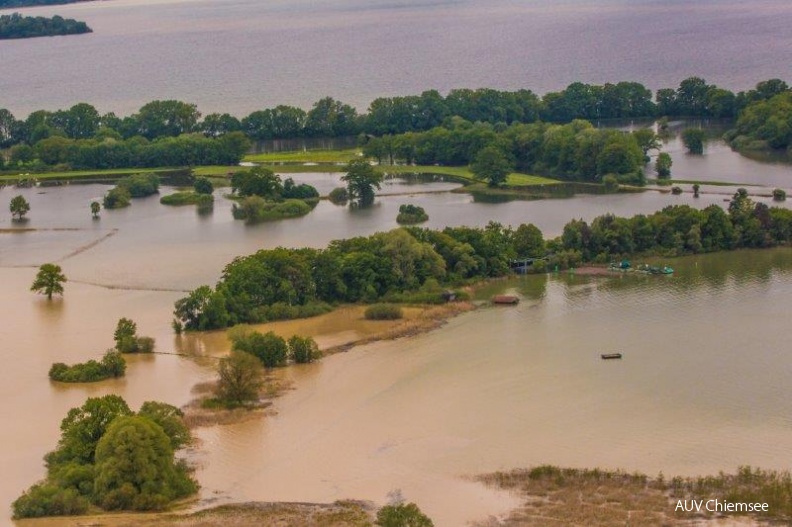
(492, 165)
(303, 349)
(269, 348)
(166, 118)
(693, 138)
(663, 165)
(135, 467)
(125, 336)
(646, 139)
(19, 206)
(361, 180)
(528, 241)
(402, 515)
(170, 419)
(696, 188)
(96, 207)
(202, 309)
(49, 281)
(241, 379)
(202, 185)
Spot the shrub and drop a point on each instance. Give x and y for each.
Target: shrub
(402, 515)
(779, 194)
(178, 199)
(302, 191)
(611, 183)
(203, 186)
(255, 209)
(127, 341)
(241, 379)
(269, 348)
(383, 312)
(303, 349)
(140, 185)
(47, 499)
(693, 138)
(117, 198)
(676, 190)
(111, 365)
(338, 196)
(411, 214)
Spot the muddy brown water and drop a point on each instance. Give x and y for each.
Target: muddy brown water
(702, 386)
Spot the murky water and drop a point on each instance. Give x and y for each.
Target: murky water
(495, 389)
(243, 55)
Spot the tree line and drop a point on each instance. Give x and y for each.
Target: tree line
(329, 117)
(764, 125)
(18, 26)
(415, 264)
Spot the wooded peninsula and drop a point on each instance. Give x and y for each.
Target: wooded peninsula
(16, 26)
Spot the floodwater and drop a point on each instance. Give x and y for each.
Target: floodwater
(243, 55)
(493, 390)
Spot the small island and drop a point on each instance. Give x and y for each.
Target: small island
(18, 26)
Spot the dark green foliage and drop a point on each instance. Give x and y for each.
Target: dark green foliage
(18, 26)
(135, 467)
(303, 349)
(765, 124)
(202, 309)
(140, 185)
(49, 280)
(402, 515)
(301, 191)
(675, 190)
(170, 419)
(339, 196)
(188, 198)
(19, 206)
(202, 185)
(258, 181)
(361, 180)
(663, 165)
(383, 312)
(112, 365)
(611, 183)
(491, 165)
(127, 339)
(269, 348)
(694, 140)
(254, 209)
(528, 241)
(779, 194)
(117, 198)
(109, 457)
(241, 379)
(411, 214)
(96, 207)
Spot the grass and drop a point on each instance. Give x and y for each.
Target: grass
(113, 173)
(307, 156)
(187, 197)
(514, 179)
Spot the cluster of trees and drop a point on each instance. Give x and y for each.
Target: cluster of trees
(678, 230)
(576, 150)
(396, 265)
(112, 365)
(18, 26)
(134, 186)
(113, 458)
(271, 349)
(264, 196)
(201, 195)
(410, 214)
(765, 124)
(128, 341)
(5, 4)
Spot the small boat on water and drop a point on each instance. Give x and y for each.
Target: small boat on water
(505, 299)
(653, 269)
(611, 356)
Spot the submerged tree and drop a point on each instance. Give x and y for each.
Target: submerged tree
(95, 208)
(361, 180)
(49, 281)
(241, 378)
(694, 140)
(19, 206)
(663, 165)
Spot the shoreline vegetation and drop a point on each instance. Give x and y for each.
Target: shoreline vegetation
(16, 26)
(12, 4)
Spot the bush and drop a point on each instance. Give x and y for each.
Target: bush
(255, 209)
(693, 138)
(339, 196)
(611, 183)
(140, 185)
(269, 348)
(203, 186)
(383, 312)
(675, 190)
(46, 499)
(284, 311)
(411, 214)
(127, 341)
(302, 191)
(241, 379)
(401, 515)
(111, 365)
(187, 198)
(117, 198)
(303, 349)
(779, 194)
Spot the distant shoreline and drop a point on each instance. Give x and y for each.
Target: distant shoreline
(17, 4)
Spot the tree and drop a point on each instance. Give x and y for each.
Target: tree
(492, 165)
(269, 348)
(241, 378)
(663, 165)
(166, 118)
(49, 281)
(401, 515)
(202, 185)
(303, 349)
(96, 207)
(135, 467)
(528, 241)
(693, 138)
(202, 309)
(361, 180)
(696, 188)
(646, 139)
(170, 419)
(19, 206)
(125, 335)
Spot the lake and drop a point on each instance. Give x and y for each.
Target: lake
(244, 55)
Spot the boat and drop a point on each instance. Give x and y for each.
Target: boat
(505, 299)
(611, 356)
